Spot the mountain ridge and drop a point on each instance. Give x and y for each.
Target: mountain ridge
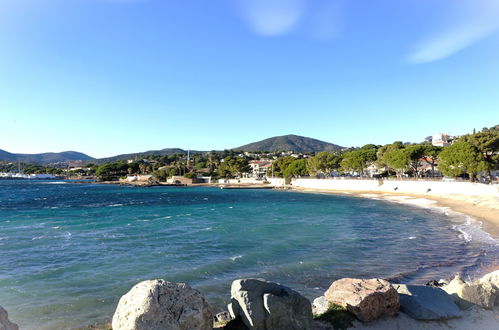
(290, 142)
(45, 157)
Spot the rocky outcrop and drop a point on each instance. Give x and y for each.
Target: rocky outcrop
(265, 305)
(159, 304)
(5, 324)
(367, 299)
(482, 292)
(320, 305)
(426, 302)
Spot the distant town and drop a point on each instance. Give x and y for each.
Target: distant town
(469, 157)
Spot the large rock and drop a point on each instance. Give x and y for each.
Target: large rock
(5, 324)
(426, 302)
(266, 305)
(492, 278)
(367, 299)
(159, 304)
(481, 292)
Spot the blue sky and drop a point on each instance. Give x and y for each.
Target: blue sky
(114, 76)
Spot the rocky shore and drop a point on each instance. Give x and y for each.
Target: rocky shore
(349, 302)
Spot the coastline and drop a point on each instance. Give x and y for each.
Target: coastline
(482, 208)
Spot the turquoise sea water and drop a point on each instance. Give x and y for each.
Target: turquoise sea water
(69, 251)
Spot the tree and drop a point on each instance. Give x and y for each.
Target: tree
(413, 154)
(487, 143)
(323, 162)
(389, 156)
(297, 168)
(233, 166)
(280, 164)
(462, 158)
(358, 160)
(430, 154)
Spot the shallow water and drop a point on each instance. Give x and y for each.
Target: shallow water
(69, 251)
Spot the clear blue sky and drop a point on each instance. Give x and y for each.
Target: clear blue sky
(113, 76)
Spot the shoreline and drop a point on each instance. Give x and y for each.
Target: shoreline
(483, 208)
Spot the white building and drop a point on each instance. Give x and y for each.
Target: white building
(441, 140)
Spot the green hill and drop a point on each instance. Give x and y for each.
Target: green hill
(294, 143)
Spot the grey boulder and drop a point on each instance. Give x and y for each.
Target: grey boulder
(159, 304)
(426, 302)
(5, 324)
(482, 292)
(263, 305)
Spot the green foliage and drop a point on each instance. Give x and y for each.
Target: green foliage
(161, 175)
(358, 160)
(430, 154)
(297, 168)
(392, 157)
(190, 175)
(111, 171)
(337, 316)
(233, 166)
(280, 164)
(487, 143)
(462, 158)
(324, 162)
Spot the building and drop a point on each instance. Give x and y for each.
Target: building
(442, 140)
(259, 168)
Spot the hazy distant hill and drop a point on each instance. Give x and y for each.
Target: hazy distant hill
(44, 158)
(294, 143)
(162, 152)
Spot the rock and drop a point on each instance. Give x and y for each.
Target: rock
(235, 324)
(267, 305)
(492, 278)
(159, 304)
(223, 317)
(480, 292)
(435, 284)
(426, 302)
(367, 299)
(5, 324)
(320, 305)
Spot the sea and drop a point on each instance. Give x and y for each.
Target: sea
(69, 251)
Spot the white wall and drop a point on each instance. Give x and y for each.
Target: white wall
(414, 187)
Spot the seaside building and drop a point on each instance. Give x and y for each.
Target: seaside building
(259, 168)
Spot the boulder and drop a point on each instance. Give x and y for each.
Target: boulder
(367, 299)
(159, 304)
(5, 324)
(426, 302)
(266, 305)
(320, 305)
(481, 292)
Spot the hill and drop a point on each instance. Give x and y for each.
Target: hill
(44, 158)
(294, 143)
(162, 152)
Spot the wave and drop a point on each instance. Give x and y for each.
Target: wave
(472, 230)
